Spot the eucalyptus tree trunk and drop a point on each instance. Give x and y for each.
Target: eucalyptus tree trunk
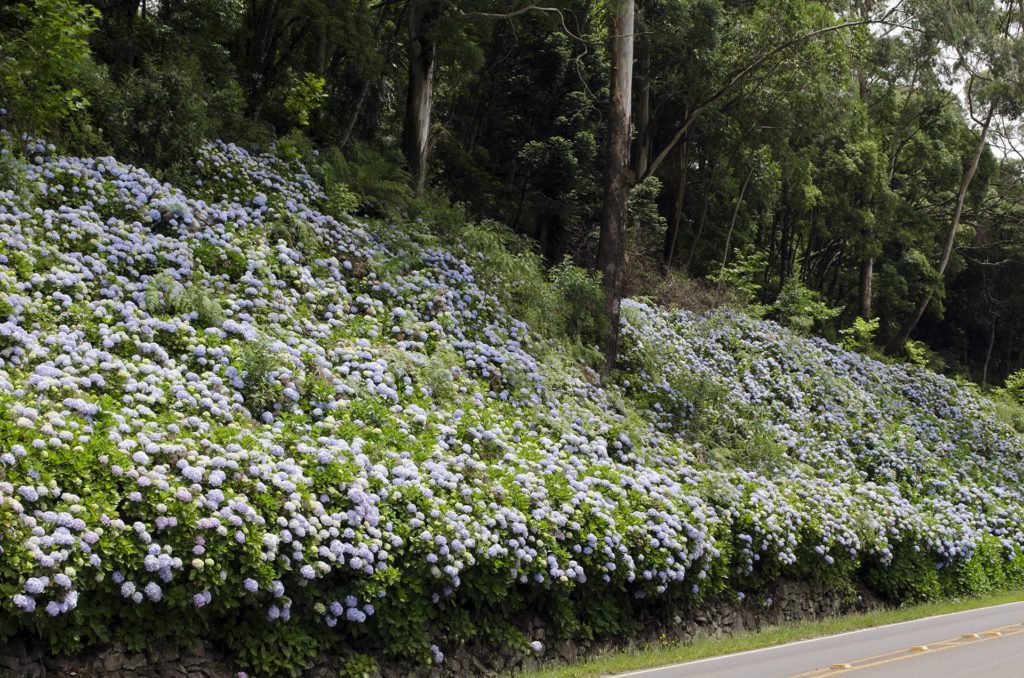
(896, 343)
(735, 213)
(611, 248)
(642, 154)
(708, 193)
(678, 202)
(867, 270)
(420, 95)
(867, 264)
(988, 350)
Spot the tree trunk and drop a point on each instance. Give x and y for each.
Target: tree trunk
(708, 193)
(611, 247)
(988, 351)
(420, 96)
(735, 213)
(643, 122)
(676, 213)
(357, 110)
(896, 343)
(867, 264)
(867, 269)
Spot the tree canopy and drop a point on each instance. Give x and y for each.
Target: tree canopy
(867, 152)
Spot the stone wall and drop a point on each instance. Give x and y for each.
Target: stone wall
(786, 601)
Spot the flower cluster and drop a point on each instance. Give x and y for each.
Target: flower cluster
(222, 398)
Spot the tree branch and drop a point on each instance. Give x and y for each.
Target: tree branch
(744, 72)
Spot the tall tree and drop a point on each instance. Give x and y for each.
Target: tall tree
(987, 46)
(611, 249)
(419, 99)
(900, 338)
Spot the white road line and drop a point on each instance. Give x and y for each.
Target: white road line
(810, 640)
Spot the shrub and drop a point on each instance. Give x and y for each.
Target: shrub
(742, 274)
(12, 173)
(917, 353)
(295, 232)
(257, 366)
(305, 96)
(45, 64)
(1007, 409)
(800, 308)
(371, 451)
(910, 577)
(509, 265)
(165, 295)
(375, 177)
(579, 302)
(1014, 386)
(860, 336)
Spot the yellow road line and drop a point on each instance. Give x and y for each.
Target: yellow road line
(915, 651)
(943, 648)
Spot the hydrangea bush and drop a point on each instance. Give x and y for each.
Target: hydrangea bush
(228, 415)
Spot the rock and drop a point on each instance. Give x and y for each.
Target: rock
(113, 661)
(9, 664)
(134, 661)
(567, 650)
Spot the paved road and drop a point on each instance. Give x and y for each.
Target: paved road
(987, 642)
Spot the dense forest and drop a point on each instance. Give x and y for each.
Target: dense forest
(857, 159)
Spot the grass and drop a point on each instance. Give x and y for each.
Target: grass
(662, 655)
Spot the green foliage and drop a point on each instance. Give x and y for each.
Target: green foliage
(508, 265)
(917, 353)
(162, 111)
(643, 208)
(1008, 401)
(305, 96)
(742, 274)
(295, 147)
(220, 261)
(703, 402)
(1007, 409)
(755, 448)
(273, 649)
(860, 336)
(579, 302)
(357, 665)
(165, 295)
(375, 178)
(12, 173)
(340, 200)
(436, 374)
(1014, 386)
(45, 63)
(257, 365)
(800, 308)
(297, 233)
(911, 576)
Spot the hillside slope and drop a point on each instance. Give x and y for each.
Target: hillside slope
(225, 414)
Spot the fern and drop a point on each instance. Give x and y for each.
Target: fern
(166, 296)
(376, 179)
(296, 233)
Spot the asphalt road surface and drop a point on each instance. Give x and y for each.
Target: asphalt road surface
(987, 642)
